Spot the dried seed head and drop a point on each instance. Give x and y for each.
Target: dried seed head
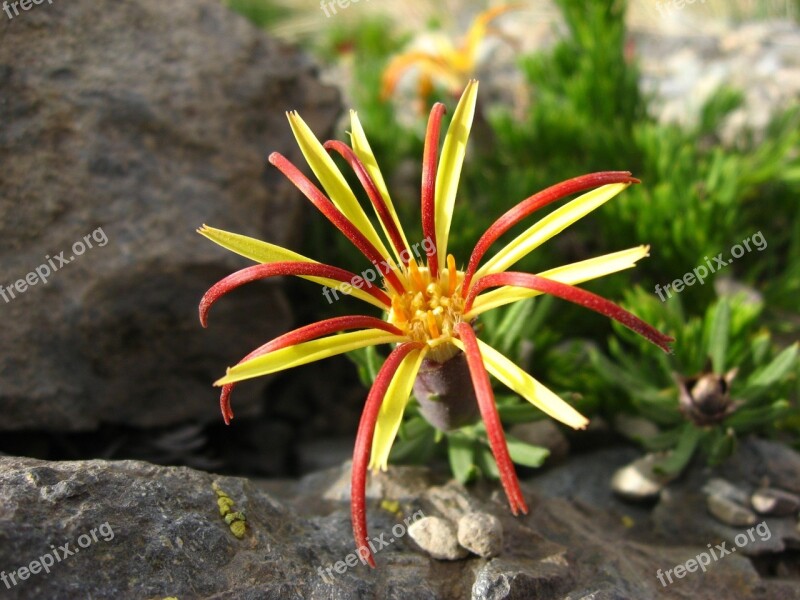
(705, 399)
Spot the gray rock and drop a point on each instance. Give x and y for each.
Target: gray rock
(729, 512)
(638, 482)
(724, 488)
(170, 540)
(544, 433)
(437, 537)
(451, 501)
(503, 579)
(771, 501)
(682, 515)
(137, 123)
(481, 533)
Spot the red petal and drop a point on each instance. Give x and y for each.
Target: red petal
(372, 191)
(534, 203)
(334, 215)
(494, 428)
(300, 335)
(363, 447)
(572, 294)
(430, 158)
(263, 271)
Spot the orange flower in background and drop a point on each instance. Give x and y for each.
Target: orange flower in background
(428, 310)
(447, 65)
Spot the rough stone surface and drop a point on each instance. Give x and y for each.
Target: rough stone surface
(437, 537)
(146, 119)
(684, 68)
(481, 533)
(169, 538)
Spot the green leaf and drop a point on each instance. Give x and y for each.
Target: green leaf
(745, 420)
(677, 460)
(510, 328)
(487, 463)
(718, 330)
(776, 370)
(367, 362)
(526, 454)
(417, 450)
(519, 413)
(662, 441)
(721, 446)
(461, 454)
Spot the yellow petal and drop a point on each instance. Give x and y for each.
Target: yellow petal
(333, 181)
(450, 163)
(549, 226)
(301, 354)
(263, 252)
(571, 274)
(392, 408)
(478, 30)
(358, 140)
(428, 64)
(527, 387)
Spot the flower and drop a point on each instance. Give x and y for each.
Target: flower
(428, 309)
(450, 66)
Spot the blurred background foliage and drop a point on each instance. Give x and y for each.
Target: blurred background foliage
(583, 110)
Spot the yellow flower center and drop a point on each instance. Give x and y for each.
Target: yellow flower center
(430, 308)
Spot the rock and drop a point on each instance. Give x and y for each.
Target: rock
(682, 514)
(451, 501)
(504, 579)
(637, 482)
(770, 501)
(481, 533)
(437, 537)
(126, 128)
(681, 72)
(543, 433)
(721, 487)
(730, 512)
(635, 428)
(168, 519)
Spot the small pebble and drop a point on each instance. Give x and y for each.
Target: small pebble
(437, 537)
(481, 533)
(729, 512)
(724, 488)
(771, 501)
(638, 482)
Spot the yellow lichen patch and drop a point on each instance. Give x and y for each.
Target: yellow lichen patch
(392, 506)
(236, 520)
(430, 308)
